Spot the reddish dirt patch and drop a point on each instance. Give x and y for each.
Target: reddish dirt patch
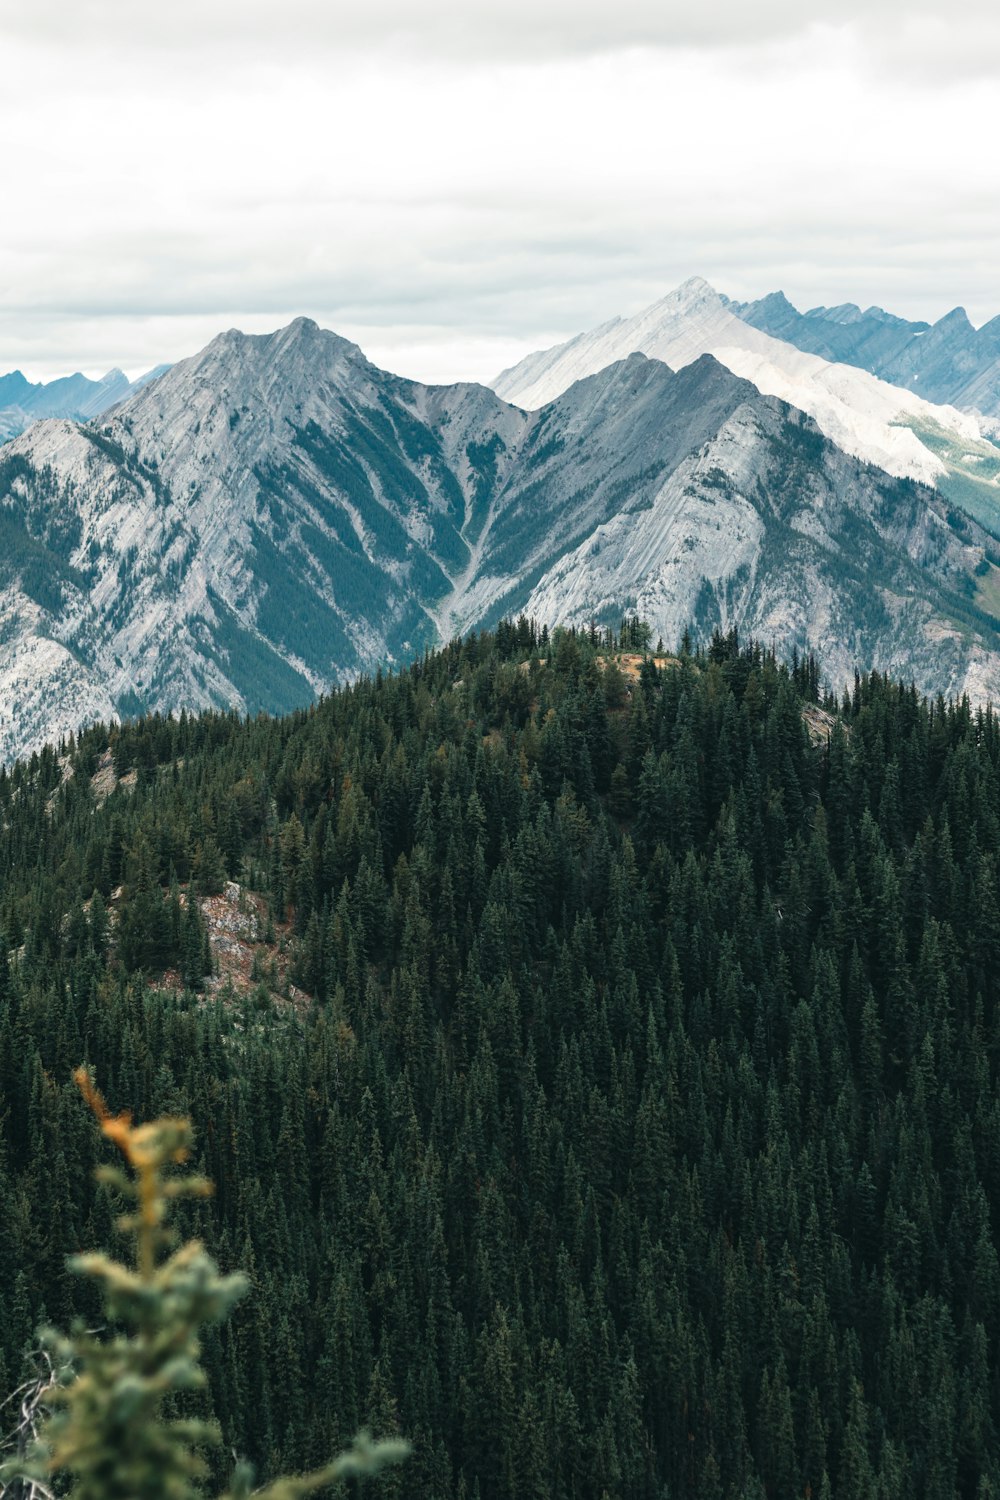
(629, 663)
(242, 961)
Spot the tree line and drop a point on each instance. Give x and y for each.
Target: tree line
(640, 1135)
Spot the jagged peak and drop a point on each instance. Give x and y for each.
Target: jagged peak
(301, 334)
(772, 299)
(692, 292)
(708, 364)
(631, 370)
(843, 312)
(957, 318)
(640, 372)
(305, 332)
(992, 327)
(301, 325)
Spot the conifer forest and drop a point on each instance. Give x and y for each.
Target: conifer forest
(622, 1119)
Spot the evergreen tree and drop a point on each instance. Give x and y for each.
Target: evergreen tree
(109, 1429)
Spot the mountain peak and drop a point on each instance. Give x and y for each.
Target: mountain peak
(957, 319)
(843, 312)
(772, 312)
(696, 295)
(302, 336)
(283, 514)
(306, 334)
(12, 386)
(693, 293)
(777, 300)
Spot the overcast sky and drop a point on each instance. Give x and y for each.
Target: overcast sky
(452, 184)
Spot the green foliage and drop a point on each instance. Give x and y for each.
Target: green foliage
(40, 570)
(633, 1126)
(972, 468)
(291, 615)
(265, 680)
(109, 1433)
(484, 463)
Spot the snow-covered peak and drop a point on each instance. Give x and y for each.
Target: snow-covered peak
(695, 297)
(694, 293)
(862, 414)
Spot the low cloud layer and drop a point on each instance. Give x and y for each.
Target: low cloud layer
(454, 195)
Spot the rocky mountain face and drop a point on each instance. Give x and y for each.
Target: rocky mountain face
(769, 527)
(270, 516)
(277, 514)
(949, 361)
(867, 417)
(74, 396)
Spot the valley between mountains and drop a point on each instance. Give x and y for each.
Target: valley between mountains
(276, 514)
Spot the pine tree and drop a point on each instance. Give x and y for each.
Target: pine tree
(109, 1430)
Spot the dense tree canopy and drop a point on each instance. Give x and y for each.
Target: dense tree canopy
(641, 1135)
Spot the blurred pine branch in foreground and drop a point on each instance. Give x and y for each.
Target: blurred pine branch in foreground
(102, 1421)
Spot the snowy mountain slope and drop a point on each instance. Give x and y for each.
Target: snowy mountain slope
(863, 415)
(276, 514)
(949, 361)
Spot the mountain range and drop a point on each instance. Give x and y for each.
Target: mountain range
(276, 514)
(870, 418)
(949, 361)
(23, 402)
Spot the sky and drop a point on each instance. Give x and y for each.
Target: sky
(454, 184)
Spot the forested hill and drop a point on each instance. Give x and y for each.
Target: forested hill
(641, 1136)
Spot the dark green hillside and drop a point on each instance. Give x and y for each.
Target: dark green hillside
(642, 1135)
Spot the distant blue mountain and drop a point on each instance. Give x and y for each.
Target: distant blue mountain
(947, 362)
(76, 396)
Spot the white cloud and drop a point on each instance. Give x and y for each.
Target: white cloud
(480, 30)
(508, 175)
